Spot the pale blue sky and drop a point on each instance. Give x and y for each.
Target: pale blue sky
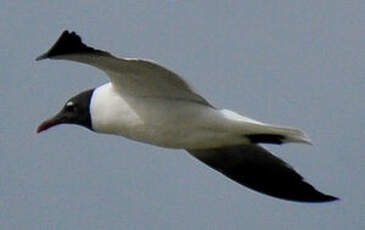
(297, 63)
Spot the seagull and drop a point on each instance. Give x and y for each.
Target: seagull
(149, 103)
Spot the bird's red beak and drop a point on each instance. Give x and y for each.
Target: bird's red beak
(56, 120)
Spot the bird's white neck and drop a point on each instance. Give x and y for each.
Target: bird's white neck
(111, 113)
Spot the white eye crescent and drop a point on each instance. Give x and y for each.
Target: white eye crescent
(70, 106)
(70, 103)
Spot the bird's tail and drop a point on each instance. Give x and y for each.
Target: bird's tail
(266, 133)
(259, 132)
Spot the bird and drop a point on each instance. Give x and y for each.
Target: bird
(149, 103)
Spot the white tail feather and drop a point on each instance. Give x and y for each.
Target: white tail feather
(250, 126)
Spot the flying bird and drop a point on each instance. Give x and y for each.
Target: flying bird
(147, 102)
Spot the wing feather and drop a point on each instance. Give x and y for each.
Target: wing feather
(255, 167)
(135, 77)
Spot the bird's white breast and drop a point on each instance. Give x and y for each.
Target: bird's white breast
(111, 113)
(159, 121)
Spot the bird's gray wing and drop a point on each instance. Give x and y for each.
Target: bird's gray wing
(135, 77)
(255, 167)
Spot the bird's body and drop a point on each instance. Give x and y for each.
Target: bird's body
(173, 123)
(149, 103)
(158, 121)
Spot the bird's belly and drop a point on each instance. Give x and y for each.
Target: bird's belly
(183, 137)
(163, 122)
(173, 132)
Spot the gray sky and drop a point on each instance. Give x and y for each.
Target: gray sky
(298, 63)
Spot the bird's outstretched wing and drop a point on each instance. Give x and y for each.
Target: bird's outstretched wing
(255, 167)
(135, 77)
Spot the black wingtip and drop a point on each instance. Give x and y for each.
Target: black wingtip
(321, 198)
(329, 198)
(301, 192)
(68, 43)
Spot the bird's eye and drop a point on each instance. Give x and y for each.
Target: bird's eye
(70, 107)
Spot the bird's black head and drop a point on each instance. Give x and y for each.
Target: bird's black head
(75, 111)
